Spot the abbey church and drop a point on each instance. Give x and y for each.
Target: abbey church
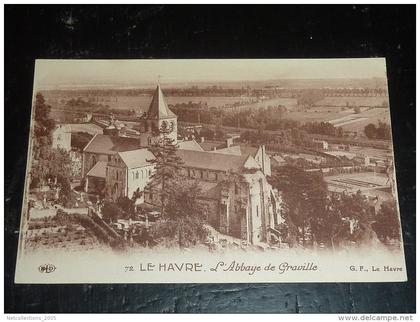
(247, 208)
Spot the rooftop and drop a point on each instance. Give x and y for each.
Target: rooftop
(235, 150)
(98, 170)
(106, 144)
(158, 108)
(210, 145)
(85, 127)
(208, 190)
(189, 145)
(214, 161)
(249, 150)
(136, 158)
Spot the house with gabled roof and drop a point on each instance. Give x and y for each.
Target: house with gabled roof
(101, 147)
(128, 173)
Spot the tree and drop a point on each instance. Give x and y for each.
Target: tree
(387, 223)
(382, 131)
(183, 224)
(111, 212)
(220, 134)
(185, 212)
(136, 195)
(122, 209)
(207, 133)
(180, 209)
(334, 229)
(370, 131)
(126, 205)
(167, 165)
(261, 128)
(308, 98)
(66, 197)
(43, 124)
(49, 163)
(305, 197)
(249, 136)
(356, 216)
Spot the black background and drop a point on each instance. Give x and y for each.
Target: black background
(45, 31)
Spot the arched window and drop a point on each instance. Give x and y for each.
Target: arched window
(142, 174)
(137, 174)
(150, 172)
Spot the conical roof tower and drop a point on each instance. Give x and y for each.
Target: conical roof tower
(158, 109)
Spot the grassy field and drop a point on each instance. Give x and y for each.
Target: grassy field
(318, 114)
(289, 103)
(353, 101)
(142, 102)
(346, 119)
(371, 116)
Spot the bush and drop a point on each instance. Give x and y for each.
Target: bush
(126, 204)
(111, 212)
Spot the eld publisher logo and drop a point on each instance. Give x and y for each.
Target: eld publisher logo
(46, 268)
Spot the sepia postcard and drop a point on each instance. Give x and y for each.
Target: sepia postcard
(210, 171)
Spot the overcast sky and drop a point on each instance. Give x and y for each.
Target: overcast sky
(52, 73)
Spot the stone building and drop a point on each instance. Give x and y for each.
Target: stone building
(102, 147)
(236, 197)
(96, 155)
(237, 200)
(128, 172)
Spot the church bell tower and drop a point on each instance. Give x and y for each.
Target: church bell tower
(159, 115)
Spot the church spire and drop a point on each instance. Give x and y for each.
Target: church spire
(158, 108)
